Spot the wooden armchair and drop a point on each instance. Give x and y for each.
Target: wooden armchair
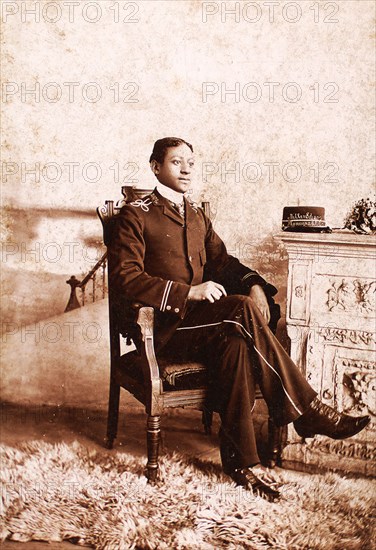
(156, 383)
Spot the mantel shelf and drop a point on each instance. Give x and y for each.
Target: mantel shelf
(340, 237)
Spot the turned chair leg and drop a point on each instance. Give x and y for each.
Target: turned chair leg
(113, 414)
(153, 440)
(207, 420)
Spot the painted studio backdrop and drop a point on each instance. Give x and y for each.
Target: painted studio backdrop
(276, 98)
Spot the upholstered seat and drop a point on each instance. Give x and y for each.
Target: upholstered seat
(174, 376)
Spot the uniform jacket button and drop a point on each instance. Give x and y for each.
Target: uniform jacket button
(168, 307)
(176, 310)
(190, 258)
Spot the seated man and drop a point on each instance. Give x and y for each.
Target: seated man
(166, 254)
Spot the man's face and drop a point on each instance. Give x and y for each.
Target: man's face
(175, 171)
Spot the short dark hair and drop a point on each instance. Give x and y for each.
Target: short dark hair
(161, 146)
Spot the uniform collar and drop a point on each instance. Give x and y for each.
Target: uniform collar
(168, 210)
(170, 194)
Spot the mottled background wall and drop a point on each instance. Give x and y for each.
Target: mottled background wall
(276, 97)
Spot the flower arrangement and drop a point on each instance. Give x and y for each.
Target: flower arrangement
(362, 217)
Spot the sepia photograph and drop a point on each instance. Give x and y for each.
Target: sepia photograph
(188, 275)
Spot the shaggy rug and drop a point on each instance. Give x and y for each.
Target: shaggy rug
(100, 499)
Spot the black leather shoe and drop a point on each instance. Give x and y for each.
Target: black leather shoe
(261, 487)
(324, 420)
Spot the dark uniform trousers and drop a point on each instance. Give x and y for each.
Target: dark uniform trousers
(232, 338)
(154, 256)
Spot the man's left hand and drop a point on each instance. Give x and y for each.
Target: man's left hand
(258, 296)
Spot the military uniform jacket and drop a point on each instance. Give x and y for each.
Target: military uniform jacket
(154, 257)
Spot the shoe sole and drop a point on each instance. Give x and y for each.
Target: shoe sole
(337, 437)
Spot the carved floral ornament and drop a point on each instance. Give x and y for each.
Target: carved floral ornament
(110, 209)
(145, 321)
(362, 451)
(351, 294)
(299, 291)
(347, 336)
(361, 386)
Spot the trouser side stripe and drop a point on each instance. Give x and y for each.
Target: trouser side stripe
(257, 351)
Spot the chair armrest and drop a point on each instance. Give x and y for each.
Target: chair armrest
(152, 378)
(145, 320)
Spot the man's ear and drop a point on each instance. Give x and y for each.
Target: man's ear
(154, 165)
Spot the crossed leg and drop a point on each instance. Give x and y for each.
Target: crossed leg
(233, 339)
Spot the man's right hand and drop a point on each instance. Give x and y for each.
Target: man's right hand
(210, 291)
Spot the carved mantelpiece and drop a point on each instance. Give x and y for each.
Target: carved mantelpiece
(331, 322)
